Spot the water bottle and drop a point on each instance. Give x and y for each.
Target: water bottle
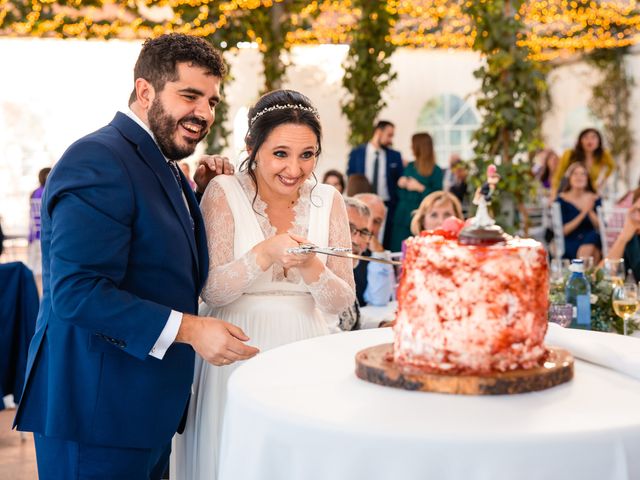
(578, 294)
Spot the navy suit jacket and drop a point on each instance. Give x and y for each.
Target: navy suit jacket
(119, 253)
(394, 169)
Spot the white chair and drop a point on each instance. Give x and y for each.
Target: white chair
(611, 221)
(537, 223)
(557, 246)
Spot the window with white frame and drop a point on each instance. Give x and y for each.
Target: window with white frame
(451, 121)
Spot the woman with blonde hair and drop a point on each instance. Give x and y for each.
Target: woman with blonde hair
(435, 209)
(419, 179)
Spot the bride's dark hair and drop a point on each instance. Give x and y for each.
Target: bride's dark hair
(273, 109)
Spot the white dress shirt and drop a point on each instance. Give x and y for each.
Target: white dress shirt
(170, 330)
(381, 281)
(370, 156)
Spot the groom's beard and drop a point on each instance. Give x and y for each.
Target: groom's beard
(164, 126)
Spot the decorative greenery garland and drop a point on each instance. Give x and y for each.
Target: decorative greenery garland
(611, 100)
(268, 25)
(368, 68)
(511, 100)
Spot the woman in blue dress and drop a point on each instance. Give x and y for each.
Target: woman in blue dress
(578, 202)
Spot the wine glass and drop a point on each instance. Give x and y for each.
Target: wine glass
(614, 271)
(561, 313)
(625, 302)
(588, 263)
(556, 271)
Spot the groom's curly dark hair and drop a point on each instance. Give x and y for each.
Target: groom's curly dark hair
(159, 56)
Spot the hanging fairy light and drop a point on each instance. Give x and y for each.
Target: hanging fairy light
(554, 27)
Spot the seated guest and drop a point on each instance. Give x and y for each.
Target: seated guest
(448, 177)
(335, 179)
(377, 220)
(434, 209)
(578, 202)
(626, 200)
(34, 252)
(627, 245)
(358, 214)
(589, 151)
(545, 168)
(374, 281)
(458, 185)
(358, 183)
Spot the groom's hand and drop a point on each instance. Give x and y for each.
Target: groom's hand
(208, 167)
(218, 342)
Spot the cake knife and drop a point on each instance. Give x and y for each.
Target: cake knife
(338, 252)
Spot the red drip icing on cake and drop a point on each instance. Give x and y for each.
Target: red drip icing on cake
(471, 309)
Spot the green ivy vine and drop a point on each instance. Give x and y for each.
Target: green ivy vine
(368, 68)
(511, 101)
(611, 100)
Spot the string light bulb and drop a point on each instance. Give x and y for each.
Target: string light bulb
(553, 27)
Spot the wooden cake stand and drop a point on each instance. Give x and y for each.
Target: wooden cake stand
(376, 365)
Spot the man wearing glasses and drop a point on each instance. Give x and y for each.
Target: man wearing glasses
(376, 280)
(360, 225)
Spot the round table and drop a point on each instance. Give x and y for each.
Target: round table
(299, 412)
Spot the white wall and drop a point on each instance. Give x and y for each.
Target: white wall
(55, 91)
(51, 93)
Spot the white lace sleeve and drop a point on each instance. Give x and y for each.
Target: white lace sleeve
(228, 277)
(334, 291)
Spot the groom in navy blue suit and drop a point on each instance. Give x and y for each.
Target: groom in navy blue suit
(382, 166)
(124, 259)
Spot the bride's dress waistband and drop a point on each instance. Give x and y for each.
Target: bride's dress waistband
(279, 293)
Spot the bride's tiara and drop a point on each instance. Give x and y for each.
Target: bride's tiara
(286, 106)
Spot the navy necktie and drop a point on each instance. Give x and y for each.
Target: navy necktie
(176, 174)
(376, 168)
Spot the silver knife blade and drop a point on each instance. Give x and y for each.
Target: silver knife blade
(339, 252)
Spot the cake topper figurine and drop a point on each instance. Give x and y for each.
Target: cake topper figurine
(482, 199)
(481, 229)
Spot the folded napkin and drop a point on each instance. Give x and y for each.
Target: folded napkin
(609, 350)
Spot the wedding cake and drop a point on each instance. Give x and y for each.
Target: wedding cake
(471, 308)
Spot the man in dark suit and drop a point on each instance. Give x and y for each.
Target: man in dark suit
(382, 166)
(359, 216)
(124, 259)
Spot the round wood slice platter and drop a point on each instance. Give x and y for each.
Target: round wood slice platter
(376, 365)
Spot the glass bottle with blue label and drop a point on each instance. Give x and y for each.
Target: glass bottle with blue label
(578, 294)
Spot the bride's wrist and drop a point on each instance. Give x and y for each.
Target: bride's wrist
(263, 259)
(311, 270)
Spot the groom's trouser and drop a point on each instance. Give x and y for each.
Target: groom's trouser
(65, 460)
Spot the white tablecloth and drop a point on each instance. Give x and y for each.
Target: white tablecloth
(299, 413)
(371, 316)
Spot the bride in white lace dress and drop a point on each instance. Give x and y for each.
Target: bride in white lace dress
(274, 297)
